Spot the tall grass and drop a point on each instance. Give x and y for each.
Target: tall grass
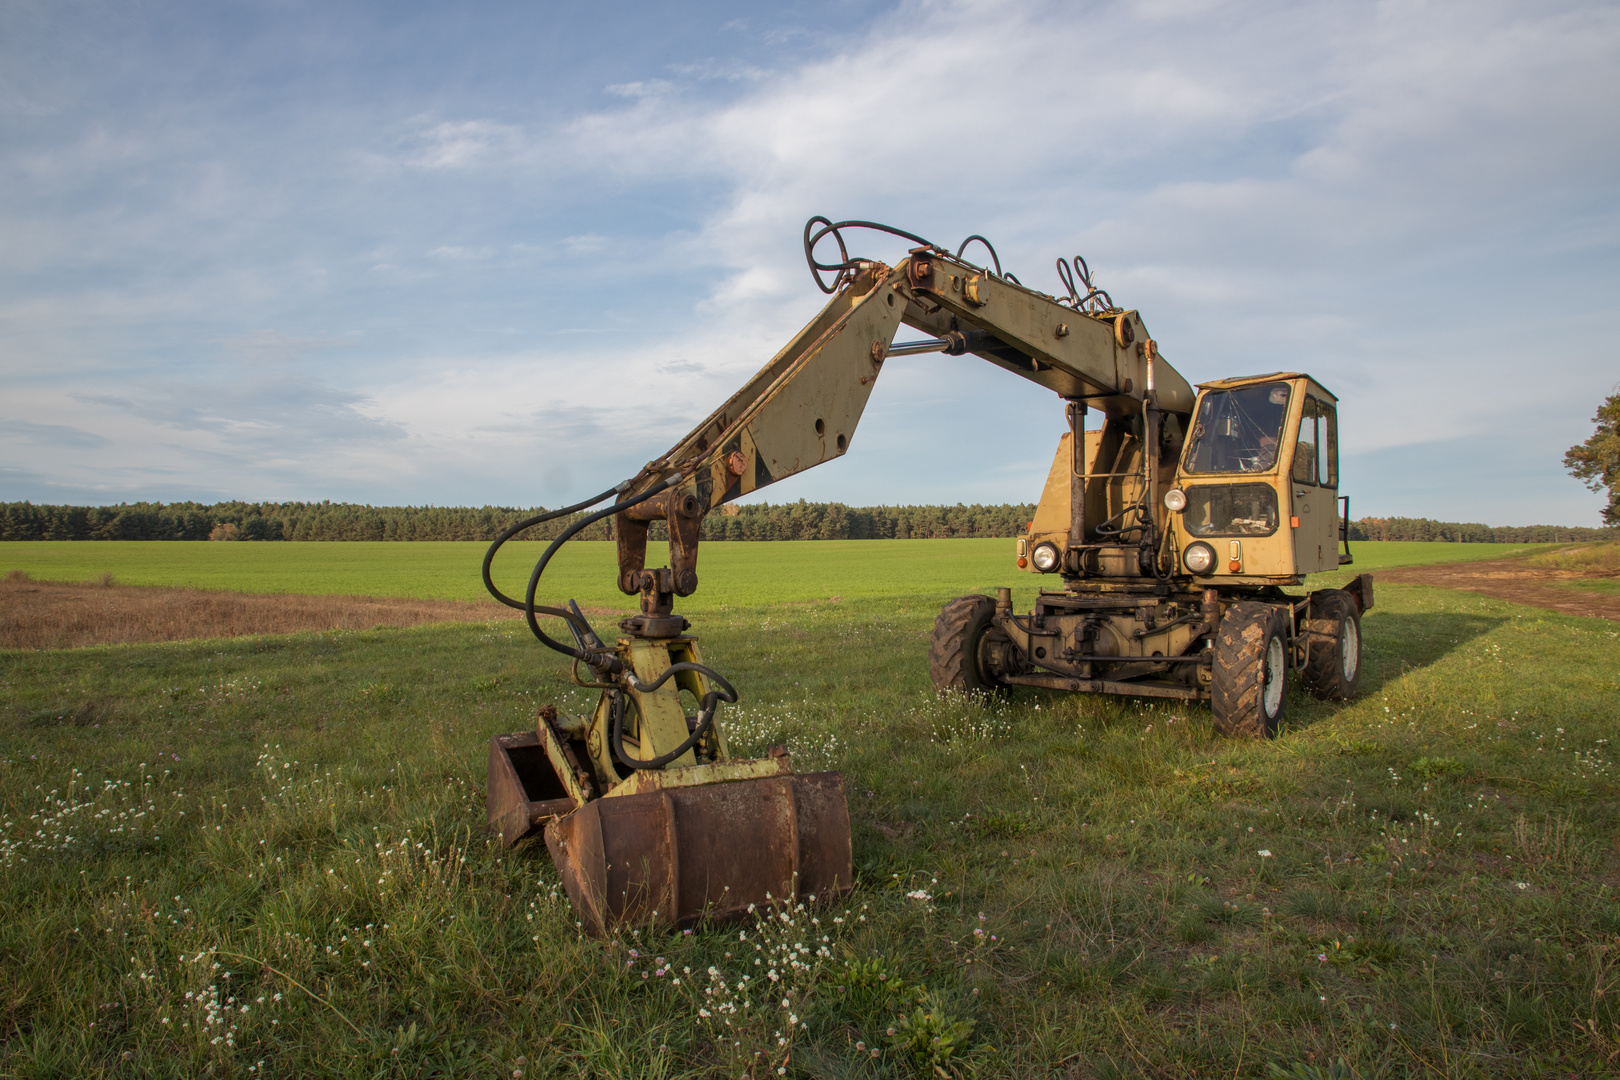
(1587, 558)
(266, 857)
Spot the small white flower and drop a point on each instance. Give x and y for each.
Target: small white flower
(1264, 854)
(1522, 884)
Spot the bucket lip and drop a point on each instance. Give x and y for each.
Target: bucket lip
(819, 867)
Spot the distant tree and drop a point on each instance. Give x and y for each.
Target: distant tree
(1596, 462)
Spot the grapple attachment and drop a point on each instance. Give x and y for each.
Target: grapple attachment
(697, 838)
(683, 855)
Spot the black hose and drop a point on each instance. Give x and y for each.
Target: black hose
(529, 523)
(603, 659)
(1083, 269)
(845, 268)
(530, 610)
(994, 258)
(706, 711)
(1082, 273)
(846, 265)
(1066, 276)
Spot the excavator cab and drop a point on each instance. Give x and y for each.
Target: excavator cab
(1259, 482)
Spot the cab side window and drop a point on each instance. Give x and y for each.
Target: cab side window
(1327, 425)
(1316, 450)
(1305, 470)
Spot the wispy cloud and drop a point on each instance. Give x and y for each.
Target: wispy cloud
(462, 144)
(641, 88)
(266, 346)
(52, 436)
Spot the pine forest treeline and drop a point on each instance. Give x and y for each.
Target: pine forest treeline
(756, 521)
(351, 521)
(1424, 529)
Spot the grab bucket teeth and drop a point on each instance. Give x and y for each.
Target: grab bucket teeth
(683, 855)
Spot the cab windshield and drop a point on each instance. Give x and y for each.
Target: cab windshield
(1238, 431)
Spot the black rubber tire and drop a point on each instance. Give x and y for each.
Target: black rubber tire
(1332, 664)
(953, 652)
(1250, 683)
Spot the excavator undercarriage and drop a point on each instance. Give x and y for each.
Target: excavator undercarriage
(1169, 535)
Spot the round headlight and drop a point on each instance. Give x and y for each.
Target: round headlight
(1176, 499)
(1199, 557)
(1045, 558)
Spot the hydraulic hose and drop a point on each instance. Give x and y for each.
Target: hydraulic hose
(600, 659)
(530, 609)
(529, 523)
(706, 710)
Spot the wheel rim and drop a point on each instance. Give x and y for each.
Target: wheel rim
(1350, 646)
(1272, 694)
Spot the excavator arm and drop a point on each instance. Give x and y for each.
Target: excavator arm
(801, 409)
(643, 806)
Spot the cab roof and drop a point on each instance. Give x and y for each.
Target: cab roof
(1250, 380)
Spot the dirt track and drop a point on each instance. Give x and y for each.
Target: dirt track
(1512, 579)
(58, 615)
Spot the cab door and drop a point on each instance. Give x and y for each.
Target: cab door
(1314, 517)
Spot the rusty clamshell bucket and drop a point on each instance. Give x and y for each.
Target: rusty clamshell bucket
(685, 855)
(679, 854)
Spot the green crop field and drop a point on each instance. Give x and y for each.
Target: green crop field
(267, 856)
(731, 573)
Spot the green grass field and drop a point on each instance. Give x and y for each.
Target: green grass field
(731, 574)
(266, 856)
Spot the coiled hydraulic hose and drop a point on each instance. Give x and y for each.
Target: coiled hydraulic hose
(529, 523)
(1082, 272)
(531, 609)
(845, 267)
(603, 660)
(706, 711)
(527, 605)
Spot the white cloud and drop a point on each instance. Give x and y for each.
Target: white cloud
(585, 243)
(1414, 201)
(462, 144)
(641, 88)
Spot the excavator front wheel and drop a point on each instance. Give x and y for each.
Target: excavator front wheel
(963, 633)
(1251, 671)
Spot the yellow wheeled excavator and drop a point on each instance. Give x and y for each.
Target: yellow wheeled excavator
(1168, 531)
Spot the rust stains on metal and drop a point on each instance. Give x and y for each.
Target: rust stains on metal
(524, 790)
(680, 856)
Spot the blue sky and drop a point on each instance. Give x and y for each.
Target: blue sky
(506, 253)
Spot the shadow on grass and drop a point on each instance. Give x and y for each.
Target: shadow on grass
(1393, 644)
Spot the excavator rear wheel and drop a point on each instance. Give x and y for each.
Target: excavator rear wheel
(1332, 667)
(1251, 671)
(955, 654)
